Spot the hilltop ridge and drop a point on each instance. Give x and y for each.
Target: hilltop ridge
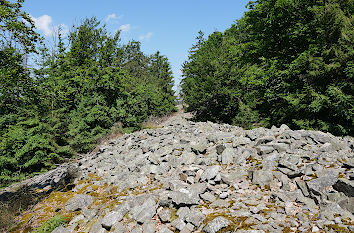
(206, 177)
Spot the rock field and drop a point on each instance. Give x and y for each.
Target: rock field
(207, 177)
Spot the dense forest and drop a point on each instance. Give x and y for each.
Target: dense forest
(76, 93)
(284, 62)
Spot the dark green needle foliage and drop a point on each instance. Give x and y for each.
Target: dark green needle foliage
(284, 62)
(75, 95)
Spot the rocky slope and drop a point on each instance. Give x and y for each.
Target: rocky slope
(206, 177)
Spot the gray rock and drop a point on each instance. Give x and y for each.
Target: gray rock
(336, 197)
(346, 186)
(164, 229)
(220, 149)
(220, 203)
(60, 229)
(110, 219)
(303, 187)
(227, 156)
(237, 141)
(216, 224)
(178, 223)
(210, 172)
(183, 212)
(290, 173)
(197, 188)
(97, 227)
(263, 150)
(281, 147)
(199, 148)
(184, 197)
(283, 179)
(78, 202)
(144, 212)
(208, 197)
(262, 177)
(264, 140)
(119, 228)
(319, 185)
(137, 229)
(195, 217)
(348, 204)
(149, 227)
(165, 215)
(233, 176)
(188, 228)
(306, 201)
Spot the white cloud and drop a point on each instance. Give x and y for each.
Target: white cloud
(125, 27)
(44, 23)
(147, 36)
(113, 18)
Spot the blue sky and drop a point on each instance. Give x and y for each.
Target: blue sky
(164, 25)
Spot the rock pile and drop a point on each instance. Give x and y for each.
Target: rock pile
(207, 177)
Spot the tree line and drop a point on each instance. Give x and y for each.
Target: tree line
(76, 93)
(284, 62)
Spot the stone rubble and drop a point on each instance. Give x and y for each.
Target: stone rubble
(208, 177)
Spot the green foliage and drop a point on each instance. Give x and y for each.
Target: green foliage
(17, 27)
(49, 225)
(283, 62)
(75, 96)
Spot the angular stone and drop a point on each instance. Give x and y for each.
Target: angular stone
(336, 197)
(216, 224)
(220, 203)
(306, 201)
(184, 197)
(223, 195)
(144, 212)
(220, 149)
(149, 227)
(227, 156)
(347, 204)
(263, 150)
(197, 188)
(183, 212)
(303, 187)
(208, 197)
(137, 229)
(346, 186)
(283, 179)
(195, 217)
(210, 172)
(78, 202)
(237, 141)
(281, 147)
(119, 228)
(97, 227)
(188, 228)
(233, 176)
(262, 177)
(165, 215)
(199, 148)
(60, 229)
(178, 223)
(318, 186)
(264, 140)
(164, 229)
(110, 219)
(287, 164)
(290, 173)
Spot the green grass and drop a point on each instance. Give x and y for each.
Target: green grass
(49, 225)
